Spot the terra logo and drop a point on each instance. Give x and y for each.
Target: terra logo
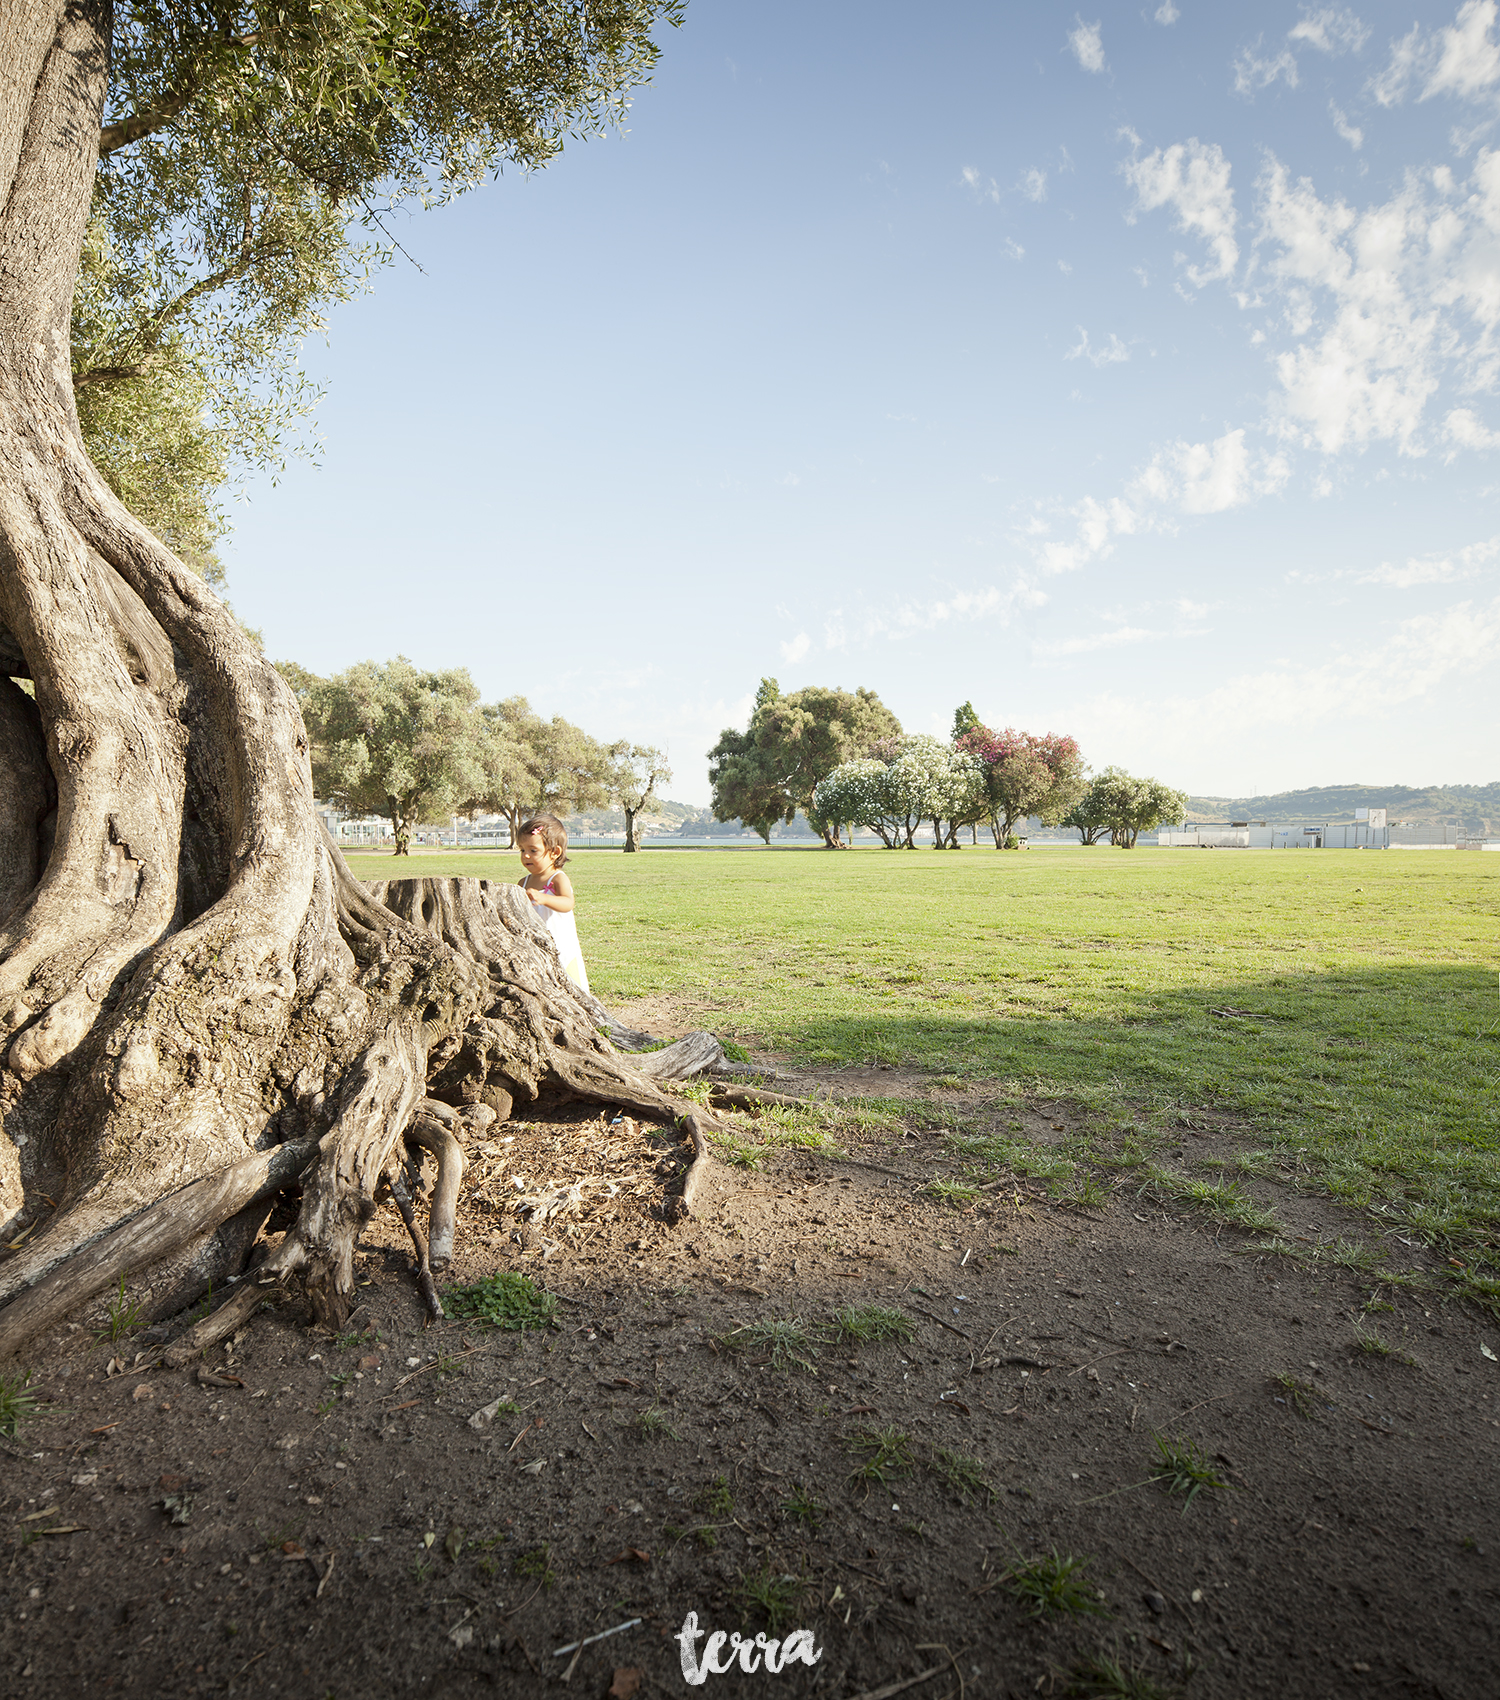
(751, 1655)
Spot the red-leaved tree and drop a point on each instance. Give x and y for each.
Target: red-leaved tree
(1024, 775)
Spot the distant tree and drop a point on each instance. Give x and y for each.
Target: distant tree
(903, 782)
(767, 772)
(635, 772)
(1024, 775)
(1131, 806)
(532, 764)
(1086, 817)
(965, 720)
(394, 740)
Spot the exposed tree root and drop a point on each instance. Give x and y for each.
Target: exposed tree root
(426, 1286)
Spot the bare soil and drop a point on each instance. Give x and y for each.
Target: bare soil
(325, 1519)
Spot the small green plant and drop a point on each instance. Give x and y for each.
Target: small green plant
(421, 1567)
(653, 1424)
(123, 1315)
(868, 1323)
(788, 1341)
(734, 1051)
(777, 1594)
(737, 1152)
(888, 1453)
(1085, 1192)
(1303, 1397)
(1104, 1678)
(1053, 1583)
(963, 1475)
(340, 1380)
(536, 1565)
(17, 1402)
(957, 1193)
(503, 1300)
(715, 1500)
(802, 1508)
(1183, 1469)
(448, 1363)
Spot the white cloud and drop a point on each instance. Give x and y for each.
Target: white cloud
(794, 651)
(1331, 30)
(1208, 478)
(1014, 248)
(1461, 59)
(1087, 42)
(1382, 304)
(986, 191)
(1167, 13)
(791, 480)
(1098, 640)
(1112, 354)
(1064, 267)
(1033, 184)
(1434, 569)
(1348, 132)
(1252, 73)
(1182, 478)
(908, 617)
(1466, 430)
(1292, 703)
(1193, 180)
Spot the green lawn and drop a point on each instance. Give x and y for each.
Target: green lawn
(1369, 1031)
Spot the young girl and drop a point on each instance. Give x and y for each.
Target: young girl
(543, 843)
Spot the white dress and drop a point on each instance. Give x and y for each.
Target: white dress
(564, 931)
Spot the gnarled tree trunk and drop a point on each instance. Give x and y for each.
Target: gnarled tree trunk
(197, 1000)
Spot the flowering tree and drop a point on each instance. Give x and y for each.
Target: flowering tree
(903, 782)
(1025, 775)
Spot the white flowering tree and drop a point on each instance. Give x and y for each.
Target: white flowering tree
(906, 781)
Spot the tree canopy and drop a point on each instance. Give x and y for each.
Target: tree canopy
(1129, 806)
(767, 772)
(1025, 774)
(635, 772)
(250, 157)
(389, 738)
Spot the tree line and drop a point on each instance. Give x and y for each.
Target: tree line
(390, 738)
(842, 759)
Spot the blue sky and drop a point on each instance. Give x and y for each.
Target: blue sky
(1130, 372)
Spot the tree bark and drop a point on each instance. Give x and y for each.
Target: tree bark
(197, 1000)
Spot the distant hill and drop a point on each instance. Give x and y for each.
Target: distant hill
(1475, 808)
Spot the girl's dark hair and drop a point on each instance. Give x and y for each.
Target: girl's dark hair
(552, 833)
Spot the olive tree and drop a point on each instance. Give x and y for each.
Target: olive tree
(394, 740)
(198, 1002)
(767, 772)
(636, 771)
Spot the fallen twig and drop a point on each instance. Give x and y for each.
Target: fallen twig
(941, 1324)
(901, 1687)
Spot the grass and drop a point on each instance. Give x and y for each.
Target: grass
(123, 1315)
(17, 1402)
(866, 1324)
(1054, 1584)
(1104, 1678)
(654, 1424)
(1366, 1068)
(801, 1507)
(775, 1593)
(790, 1342)
(1183, 1469)
(963, 1475)
(503, 1300)
(1306, 1400)
(887, 1453)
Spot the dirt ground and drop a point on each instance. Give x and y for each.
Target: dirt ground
(310, 1516)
